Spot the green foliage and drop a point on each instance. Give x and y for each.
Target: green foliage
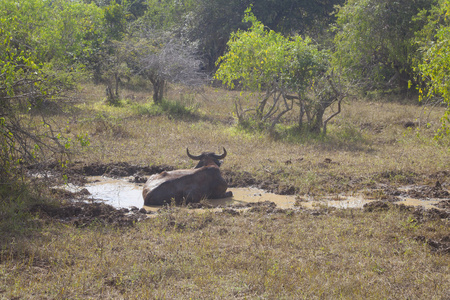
(15, 199)
(42, 48)
(374, 42)
(18, 72)
(435, 68)
(257, 56)
(167, 13)
(115, 22)
(54, 30)
(211, 22)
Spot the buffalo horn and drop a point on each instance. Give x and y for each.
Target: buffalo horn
(221, 156)
(193, 156)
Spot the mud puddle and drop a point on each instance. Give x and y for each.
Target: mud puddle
(121, 193)
(359, 202)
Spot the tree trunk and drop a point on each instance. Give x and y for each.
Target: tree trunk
(302, 113)
(317, 119)
(158, 90)
(97, 74)
(111, 97)
(331, 117)
(117, 79)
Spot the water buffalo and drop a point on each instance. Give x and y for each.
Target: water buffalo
(189, 185)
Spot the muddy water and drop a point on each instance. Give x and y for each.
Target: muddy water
(246, 195)
(121, 193)
(116, 192)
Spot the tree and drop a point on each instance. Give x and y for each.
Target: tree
(59, 31)
(114, 69)
(374, 42)
(41, 43)
(162, 58)
(103, 61)
(23, 85)
(281, 70)
(435, 67)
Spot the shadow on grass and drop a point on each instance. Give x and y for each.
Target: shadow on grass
(15, 219)
(344, 138)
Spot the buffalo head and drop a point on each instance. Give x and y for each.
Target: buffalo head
(207, 158)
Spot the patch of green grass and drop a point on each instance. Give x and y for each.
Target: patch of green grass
(105, 124)
(170, 108)
(296, 135)
(348, 133)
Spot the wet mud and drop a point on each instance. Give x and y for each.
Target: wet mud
(76, 174)
(429, 191)
(440, 246)
(83, 214)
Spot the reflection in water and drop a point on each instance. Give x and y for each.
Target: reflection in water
(121, 193)
(118, 193)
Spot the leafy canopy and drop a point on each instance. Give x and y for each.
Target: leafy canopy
(258, 56)
(42, 43)
(374, 42)
(54, 30)
(280, 69)
(435, 68)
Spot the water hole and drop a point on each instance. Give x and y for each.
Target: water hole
(120, 193)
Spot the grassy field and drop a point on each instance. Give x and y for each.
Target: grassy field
(231, 254)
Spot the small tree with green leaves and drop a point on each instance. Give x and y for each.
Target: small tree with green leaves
(282, 71)
(23, 85)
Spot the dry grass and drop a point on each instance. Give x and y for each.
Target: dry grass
(181, 254)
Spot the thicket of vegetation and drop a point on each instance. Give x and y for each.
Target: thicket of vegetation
(310, 55)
